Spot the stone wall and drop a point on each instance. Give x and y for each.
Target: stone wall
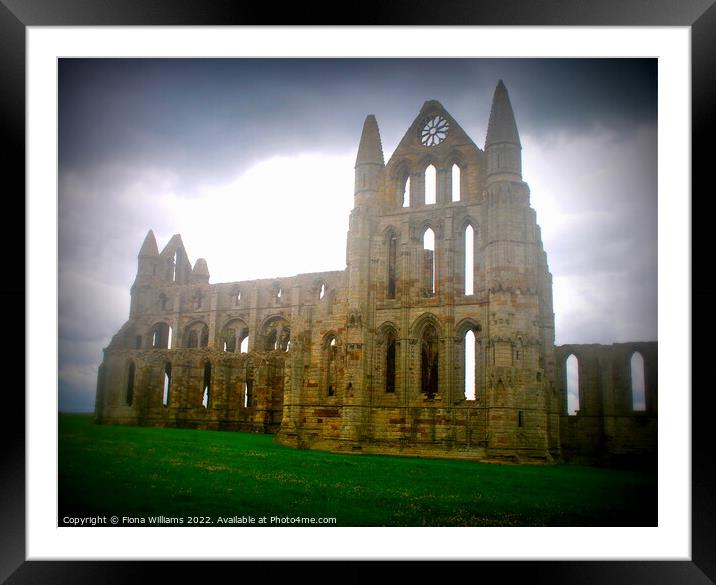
(607, 428)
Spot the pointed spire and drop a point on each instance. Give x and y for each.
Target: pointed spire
(200, 273)
(502, 126)
(200, 268)
(371, 148)
(149, 247)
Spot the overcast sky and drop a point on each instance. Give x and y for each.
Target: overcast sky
(251, 160)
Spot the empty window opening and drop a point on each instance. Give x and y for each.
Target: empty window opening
(160, 334)
(455, 183)
(245, 345)
(193, 338)
(237, 297)
(390, 364)
(430, 185)
(428, 276)
(520, 419)
(429, 361)
(331, 364)
(169, 338)
(469, 260)
(470, 365)
(167, 384)
(392, 266)
(322, 292)
(130, 384)
(163, 301)
(406, 193)
(638, 394)
(572, 367)
(206, 398)
(174, 266)
(248, 390)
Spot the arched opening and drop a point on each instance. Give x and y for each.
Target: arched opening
(248, 391)
(249, 384)
(330, 350)
(174, 266)
(429, 361)
(322, 291)
(245, 345)
(392, 265)
(428, 275)
(130, 384)
(232, 335)
(196, 335)
(169, 338)
(167, 384)
(469, 340)
(390, 363)
(638, 393)
(276, 335)
(163, 301)
(159, 335)
(455, 183)
(572, 373)
(237, 297)
(431, 184)
(406, 193)
(469, 260)
(206, 397)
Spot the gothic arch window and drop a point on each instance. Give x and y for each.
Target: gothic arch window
(456, 186)
(159, 336)
(249, 385)
(276, 334)
(392, 265)
(330, 364)
(469, 361)
(277, 291)
(406, 192)
(572, 377)
(431, 185)
(232, 335)
(129, 398)
(167, 384)
(468, 357)
(429, 355)
(236, 295)
(196, 335)
(390, 362)
(322, 291)
(206, 386)
(469, 251)
(244, 346)
(428, 263)
(636, 371)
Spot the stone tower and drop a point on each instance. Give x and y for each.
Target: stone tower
(443, 242)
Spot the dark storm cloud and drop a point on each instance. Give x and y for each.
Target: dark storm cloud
(208, 119)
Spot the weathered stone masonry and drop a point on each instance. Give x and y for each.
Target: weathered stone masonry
(372, 358)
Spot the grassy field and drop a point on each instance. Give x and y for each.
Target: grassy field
(143, 472)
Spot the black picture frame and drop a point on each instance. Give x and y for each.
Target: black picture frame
(700, 15)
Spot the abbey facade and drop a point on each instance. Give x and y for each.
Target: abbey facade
(437, 339)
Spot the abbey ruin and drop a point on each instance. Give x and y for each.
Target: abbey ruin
(445, 269)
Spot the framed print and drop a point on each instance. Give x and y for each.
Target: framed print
(412, 353)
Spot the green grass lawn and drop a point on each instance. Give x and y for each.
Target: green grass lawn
(142, 472)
